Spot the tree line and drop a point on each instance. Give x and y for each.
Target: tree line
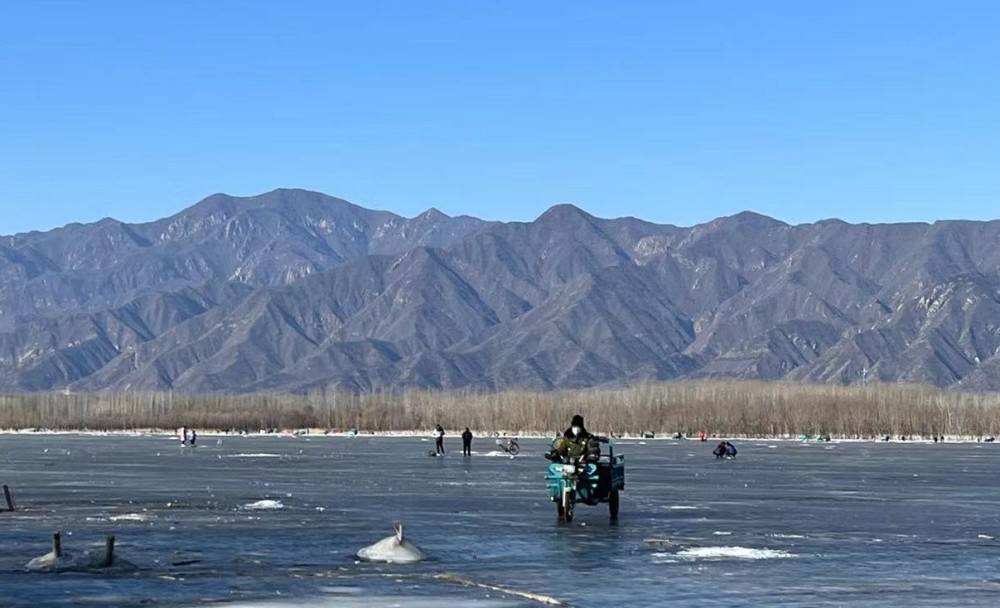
(719, 407)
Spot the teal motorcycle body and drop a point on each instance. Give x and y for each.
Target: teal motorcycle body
(590, 483)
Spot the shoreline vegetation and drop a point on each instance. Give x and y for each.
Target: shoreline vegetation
(723, 408)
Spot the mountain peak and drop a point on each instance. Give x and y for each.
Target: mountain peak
(433, 214)
(563, 211)
(754, 217)
(746, 219)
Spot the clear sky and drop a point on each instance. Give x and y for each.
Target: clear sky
(672, 111)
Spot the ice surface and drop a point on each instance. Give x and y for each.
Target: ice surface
(864, 530)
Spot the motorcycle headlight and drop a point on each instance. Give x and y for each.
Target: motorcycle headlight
(569, 469)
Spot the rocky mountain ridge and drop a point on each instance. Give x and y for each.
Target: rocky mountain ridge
(294, 290)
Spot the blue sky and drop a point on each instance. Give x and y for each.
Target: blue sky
(672, 111)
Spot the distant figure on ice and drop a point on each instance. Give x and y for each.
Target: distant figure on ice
(182, 434)
(439, 440)
(194, 437)
(467, 442)
(701, 436)
(725, 450)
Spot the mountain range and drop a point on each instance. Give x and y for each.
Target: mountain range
(294, 290)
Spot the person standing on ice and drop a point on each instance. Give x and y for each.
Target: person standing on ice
(439, 440)
(467, 442)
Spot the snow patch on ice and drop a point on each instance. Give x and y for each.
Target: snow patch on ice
(682, 508)
(264, 505)
(346, 600)
(392, 550)
(732, 553)
(495, 454)
(664, 558)
(130, 517)
(253, 456)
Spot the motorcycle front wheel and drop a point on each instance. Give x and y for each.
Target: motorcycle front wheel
(565, 508)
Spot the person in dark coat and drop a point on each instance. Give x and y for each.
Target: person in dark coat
(725, 450)
(576, 443)
(467, 442)
(576, 430)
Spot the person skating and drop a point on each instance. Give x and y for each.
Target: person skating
(467, 442)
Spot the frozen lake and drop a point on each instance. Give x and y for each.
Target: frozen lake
(785, 524)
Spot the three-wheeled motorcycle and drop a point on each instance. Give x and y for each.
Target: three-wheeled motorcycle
(586, 480)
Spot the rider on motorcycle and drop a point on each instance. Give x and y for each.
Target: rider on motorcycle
(576, 443)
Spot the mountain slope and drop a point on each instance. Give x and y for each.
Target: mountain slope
(294, 290)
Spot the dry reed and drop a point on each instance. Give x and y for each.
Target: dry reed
(760, 409)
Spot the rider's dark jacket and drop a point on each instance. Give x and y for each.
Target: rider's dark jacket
(588, 447)
(583, 436)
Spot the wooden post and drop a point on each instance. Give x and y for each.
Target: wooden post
(56, 545)
(109, 551)
(7, 497)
